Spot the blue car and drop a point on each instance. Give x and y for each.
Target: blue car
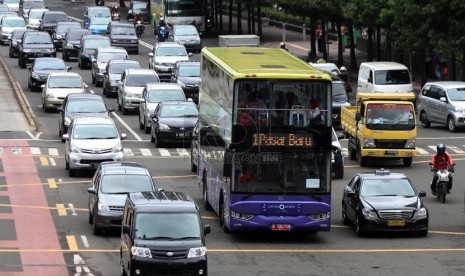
(98, 25)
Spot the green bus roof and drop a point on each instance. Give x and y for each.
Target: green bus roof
(262, 63)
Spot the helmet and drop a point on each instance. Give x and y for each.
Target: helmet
(441, 148)
(343, 69)
(282, 45)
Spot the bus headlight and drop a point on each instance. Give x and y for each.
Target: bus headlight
(241, 216)
(197, 252)
(368, 143)
(410, 144)
(322, 216)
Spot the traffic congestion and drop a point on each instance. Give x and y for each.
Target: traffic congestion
(152, 151)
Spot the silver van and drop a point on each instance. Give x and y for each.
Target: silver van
(387, 77)
(26, 5)
(442, 103)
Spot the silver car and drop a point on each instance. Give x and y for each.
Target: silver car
(58, 86)
(442, 103)
(33, 18)
(153, 94)
(100, 61)
(90, 141)
(163, 57)
(8, 25)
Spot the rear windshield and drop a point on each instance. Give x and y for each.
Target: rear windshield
(76, 35)
(123, 31)
(105, 57)
(96, 43)
(13, 22)
(33, 5)
(118, 68)
(159, 95)
(55, 18)
(102, 12)
(136, 80)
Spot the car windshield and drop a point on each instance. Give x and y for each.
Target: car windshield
(17, 34)
(140, 7)
(187, 30)
(161, 95)
(99, 21)
(33, 5)
(3, 8)
(95, 131)
(62, 28)
(169, 226)
(179, 111)
(37, 39)
(118, 68)
(49, 64)
(123, 31)
(171, 51)
(64, 82)
(10, 1)
(339, 92)
(55, 18)
(136, 80)
(85, 106)
(392, 77)
(96, 43)
(77, 34)
(13, 22)
(105, 57)
(117, 184)
(390, 116)
(386, 187)
(189, 71)
(35, 14)
(99, 12)
(456, 94)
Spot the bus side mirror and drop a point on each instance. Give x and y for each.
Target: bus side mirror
(358, 116)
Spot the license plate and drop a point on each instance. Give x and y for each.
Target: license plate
(39, 55)
(390, 153)
(182, 135)
(281, 227)
(396, 222)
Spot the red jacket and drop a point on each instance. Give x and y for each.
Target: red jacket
(442, 161)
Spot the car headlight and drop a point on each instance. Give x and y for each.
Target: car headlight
(181, 83)
(69, 45)
(163, 127)
(197, 252)
(75, 149)
(133, 41)
(459, 109)
(59, 36)
(128, 94)
(49, 96)
(115, 40)
(102, 206)
(421, 213)
(322, 216)
(410, 144)
(242, 216)
(50, 50)
(35, 76)
(118, 148)
(67, 121)
(28, 50)
(369, 143)
(369, 214)
(141, 252)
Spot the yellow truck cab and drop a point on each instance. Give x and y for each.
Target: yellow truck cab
(381, 125)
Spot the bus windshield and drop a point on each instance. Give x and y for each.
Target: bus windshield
(184, 8)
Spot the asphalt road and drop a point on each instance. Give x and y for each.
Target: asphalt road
(338, 252)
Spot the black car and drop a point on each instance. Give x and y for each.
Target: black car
(80, 105)
(59, 33)
(41, 68)
(71, 39)
(162, 234)
(115, 68)
(87, 49)
(173, 121)
(110, 185)
(187, 75)
(142, 9)
(33, 45)
(13, 49)
(383, 201)
(50, 19)
(124, 35)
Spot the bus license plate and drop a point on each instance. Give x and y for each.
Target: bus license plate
(396, 222)
(182, 135)
(281, 227)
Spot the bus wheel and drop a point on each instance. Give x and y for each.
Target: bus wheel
(206, 204)
(222, 217)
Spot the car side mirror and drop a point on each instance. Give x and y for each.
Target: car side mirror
(421, 193)
(349, 192)
(94, 60)
(123, 136)
(42, 86)
(443, 99)
(126, 229)
(206, 229)
(150, 54)
(91, 190)
(190, 54)
(86, 86)
(19, 41)
(370, 79)
(60, 109)
(358, 116)
(77, 46)
(111, 109)
(29, 66)
(65, 136)
(69, 68)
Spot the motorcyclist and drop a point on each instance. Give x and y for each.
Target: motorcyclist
(137, 17)
(441, 161)
(282, 45)
(162, 23)
(114, 13)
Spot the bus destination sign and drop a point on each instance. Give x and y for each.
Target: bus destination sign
(282, 140)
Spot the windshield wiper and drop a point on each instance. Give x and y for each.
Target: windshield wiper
(190, 116)
(90, 138)
(157, 238)
(387, 195)
(186, 238)
(110, 137)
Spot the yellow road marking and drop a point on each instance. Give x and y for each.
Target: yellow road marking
(72, 244)
(52, 183)
(61, 209)
(43, 161)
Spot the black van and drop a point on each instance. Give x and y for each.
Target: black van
(162, 234)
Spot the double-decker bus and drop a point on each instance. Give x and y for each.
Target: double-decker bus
(263, 140)
(180, 12)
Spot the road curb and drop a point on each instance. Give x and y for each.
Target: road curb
(22, 100)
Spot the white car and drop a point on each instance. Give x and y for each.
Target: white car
(13, 5)
(153, 94)
(58, 86)
(8, 25)
(33, 18)
(327, 67)
(90, 141)
(164, 56)
(130, 87)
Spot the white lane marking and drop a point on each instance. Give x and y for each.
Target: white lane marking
(164, 152)
(126, 126)
(52, 162)
(433, 148)
(145, 152)
(1, 151)
(128, 152)
(53, 151)
(145, 44)
(35, 150)
(30, 134)
(421, 151)
(183, 152)
(81, 266)
(72, 209)
(76, 19)
(455, 149)
(85, 241)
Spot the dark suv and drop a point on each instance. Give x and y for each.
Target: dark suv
(124, 35)
(187, 75)
(13, 50)
(50, 19)
(70, 41)
(87, 49)
(107, 195)
(33, 45)
(162, 234)
(60, 31)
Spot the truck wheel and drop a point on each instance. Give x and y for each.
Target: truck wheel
(338, 170)
(361, 159)
(424, 120)
(352, 154)
(407, 161)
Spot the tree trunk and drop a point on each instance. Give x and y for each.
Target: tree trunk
(252, 10)
(239, 17)
(230, 16)
(220, 11)
(463, 65)
(370, 45)
(259, 17)
(422, 68)
(312, 53)
(378, 43)
(353, 59)
(453, 67)
(249, 18)
(340, 46)
(323, 41)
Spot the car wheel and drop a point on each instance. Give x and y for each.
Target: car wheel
(29, 84)
(141, 125)
(338, 168)
(352, 153)
(67, 164)
(11, 54)
(123, 272)
(65, 56)
(119, 105)
(104, 91)
(206, 204)
(193, 166)
(22, 63)
(90, 218)
(93, 78)
(407, 161)
(60, 134)
(95, 229)
(79, 62)
(345, 219)
(424, 120)
(72, 173)
(146, 129)
(156, 140)
(451, 124)
(422, 233)
(124, 110)
(223, 217)
(359, 228)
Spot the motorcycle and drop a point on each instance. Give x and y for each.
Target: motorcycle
(139, 28)
(162, 34)
(115, 16)
(99, 2)
(442, 183)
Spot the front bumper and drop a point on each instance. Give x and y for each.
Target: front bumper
(53, 102)
(111, 89)
(175, 136)
(459, 119)
(154, 267)
(126, 46)
(389, 153)
(380, 225)
(131, 102)
(265, 223)
(38, 81)
(30, 56)
(71, 52)
(108, 219)
(91, 161)
(163, 72)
